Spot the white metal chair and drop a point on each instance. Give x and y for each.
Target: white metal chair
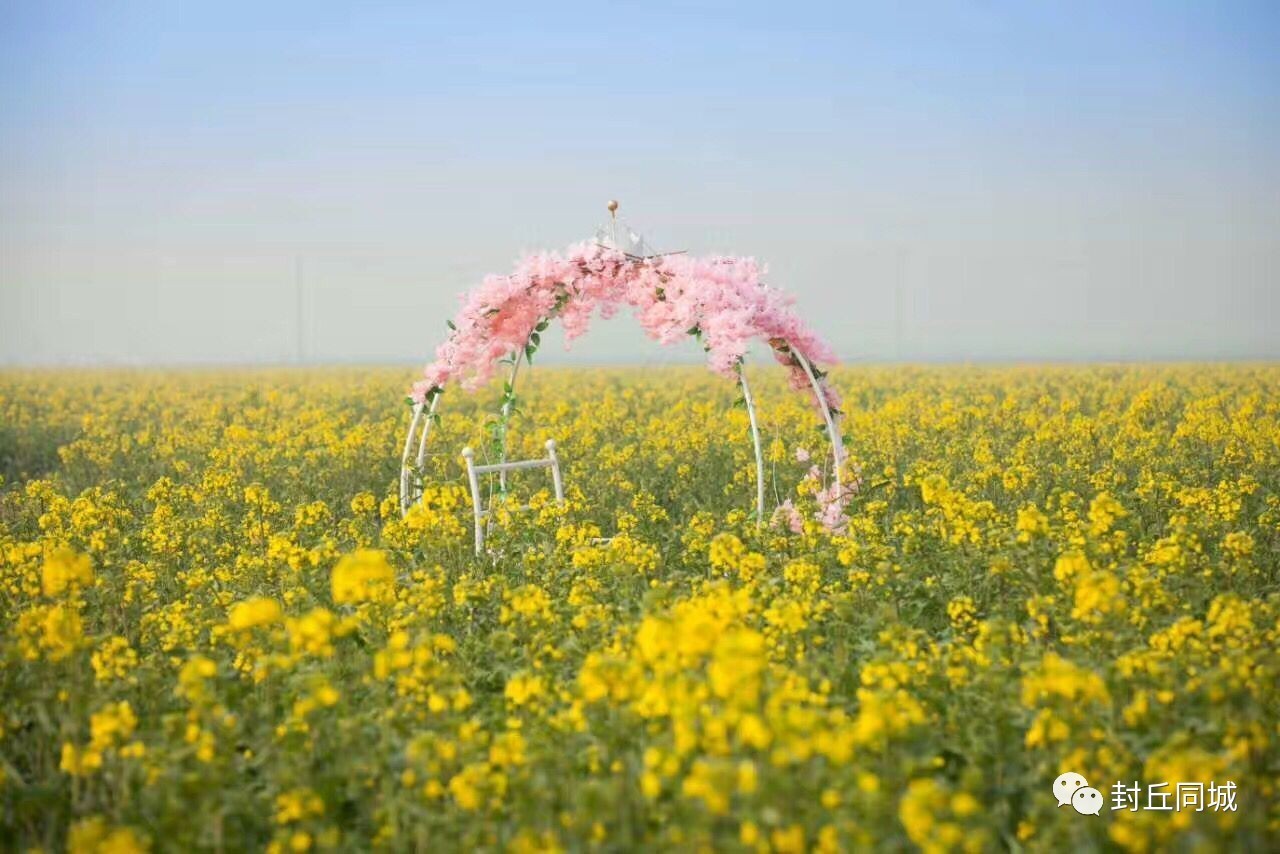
(483, 512)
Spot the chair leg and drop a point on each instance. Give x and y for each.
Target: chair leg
(555, 470)
(477, 512)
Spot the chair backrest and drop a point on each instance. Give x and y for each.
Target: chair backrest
(482, 512)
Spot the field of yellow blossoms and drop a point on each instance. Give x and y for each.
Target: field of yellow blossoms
(217, 633)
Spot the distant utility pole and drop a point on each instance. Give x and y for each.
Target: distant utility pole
(299, 344)
(899, 306)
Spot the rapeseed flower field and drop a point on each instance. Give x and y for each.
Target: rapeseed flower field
(218, 633)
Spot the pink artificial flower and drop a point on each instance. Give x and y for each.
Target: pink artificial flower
(418, 391)
(788, 514)
(722, 298)
(831, 505)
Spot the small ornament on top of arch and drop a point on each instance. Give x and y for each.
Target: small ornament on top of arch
(722, 301)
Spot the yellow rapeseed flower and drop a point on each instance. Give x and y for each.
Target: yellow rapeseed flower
(363, 576)
(65, 570)
(254, 613)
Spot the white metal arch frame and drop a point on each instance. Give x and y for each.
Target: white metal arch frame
(424, 415)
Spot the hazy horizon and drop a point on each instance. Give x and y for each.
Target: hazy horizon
(950, 182)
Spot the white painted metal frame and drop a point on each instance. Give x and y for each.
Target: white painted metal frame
(755, 441)
(832, 420)
(411, 464)
(424, 416)
(481, 511)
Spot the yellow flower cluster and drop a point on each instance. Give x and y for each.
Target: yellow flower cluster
(65, 570)
(363, 576)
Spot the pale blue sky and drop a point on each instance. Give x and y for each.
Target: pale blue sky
(962, 180)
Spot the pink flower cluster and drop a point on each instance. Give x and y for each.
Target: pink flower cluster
(831, 501)
(721, 299)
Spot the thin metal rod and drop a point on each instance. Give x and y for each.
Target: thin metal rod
(833, 421)
(506, 413)
(556, 480)
(405, 471)
(755, 439)
(478, 512)
(424, 417)
(426, 430)
(516, 466)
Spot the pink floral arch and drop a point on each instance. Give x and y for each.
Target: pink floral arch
(722, 301)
